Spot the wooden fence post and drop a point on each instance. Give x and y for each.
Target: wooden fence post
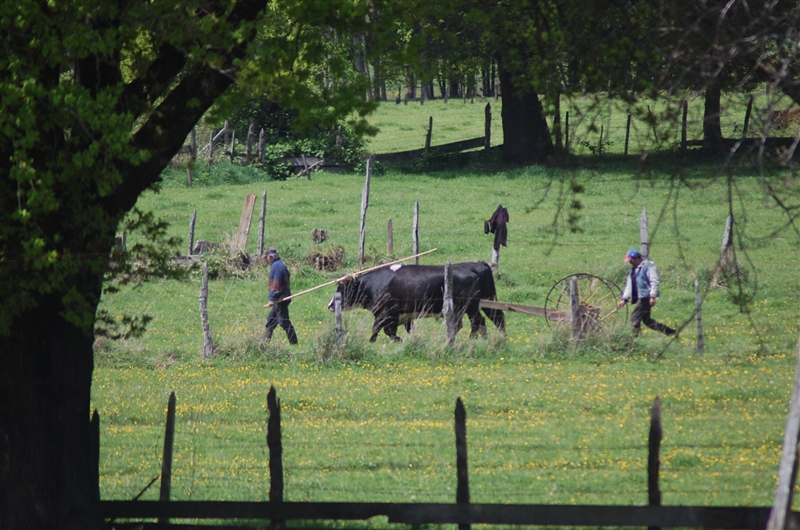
(644, 235)
(462, 470)
(389, 238)
(747, 117)
(653, 462)
(166, 461)
(415, 233)
(191, 231)
(192, 154)
(248, 153)
(566, 132)
(275, 448)
(262, 143)
(261, 220)
(447, 306)
(94, 449)
(683, 125)
(575, 308)
(227, 131)
(787, 471)
(652, 122)
(338, 329)
(487, 128)
(364, 205)
(430, 133)
(600, 142)
(233, 145)
(208, 344)
(699, 316)
(627, 134)
(725, 252)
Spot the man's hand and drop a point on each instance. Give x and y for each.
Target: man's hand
(621, 303)
(652, 301)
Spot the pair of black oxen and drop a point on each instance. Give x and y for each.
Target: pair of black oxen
(400, 293)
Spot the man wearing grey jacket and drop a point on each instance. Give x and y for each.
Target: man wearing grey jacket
(641, 290)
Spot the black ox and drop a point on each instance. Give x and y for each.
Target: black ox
(400, 294)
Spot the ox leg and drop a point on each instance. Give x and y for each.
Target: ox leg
(499, 319)
(477, 321)
(388, 323)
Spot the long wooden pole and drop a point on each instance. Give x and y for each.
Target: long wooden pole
(353, 275)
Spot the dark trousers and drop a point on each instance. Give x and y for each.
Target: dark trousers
(279, 316)
(641, 315)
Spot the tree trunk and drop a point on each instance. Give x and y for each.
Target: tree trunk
(526, 138)
(712, 129)
(48, 477)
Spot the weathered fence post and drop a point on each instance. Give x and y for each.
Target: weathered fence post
(248, 152)
(227, 131)
(233, 145)
(275, 448)
(644, 235)
(447, 307)
(566, 132)
(364, 205)
(166, 461)
(652, 118)
(208, 344)
(698, 298)
(747, 117)
(600, 142)
(725, 252)
(261, 220)
(627, 134)
(487, 128)
(94, 449)
(338, 329)
(192, 154)
(495, 258)
(683, 126)
(262, 143)
(191, 232)
(576, 313)
(787, 471)
(430, 133)
(415, 233)
(210, 146)
(653, 462)
(389, 238)
(462, 470)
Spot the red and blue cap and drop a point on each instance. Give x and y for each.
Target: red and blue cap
(632, 254)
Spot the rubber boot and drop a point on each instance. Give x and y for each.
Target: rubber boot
(267, 335)
(291, 335)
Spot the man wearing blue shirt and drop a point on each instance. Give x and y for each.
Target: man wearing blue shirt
(641, 290)
(279, 288)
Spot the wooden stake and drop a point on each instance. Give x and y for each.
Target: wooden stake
(644, 244)
(653, 461)
(627, 133)
(447, 308)
(389, 238)
(191, 232)
(275, 447)
(261, 220)
(415, 232)
(208, 344)
(166, 461)
(487, 128)
(699, 316)
(462, 470)
(364, 206)
(430, 133)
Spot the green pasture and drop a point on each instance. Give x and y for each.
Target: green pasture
(548, 419)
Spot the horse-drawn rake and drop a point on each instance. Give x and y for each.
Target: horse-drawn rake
(586, 301)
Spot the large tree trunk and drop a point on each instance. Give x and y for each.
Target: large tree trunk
(526, 138)
(712, 129)
(48, 475)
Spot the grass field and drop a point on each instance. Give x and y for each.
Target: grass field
(548, 420)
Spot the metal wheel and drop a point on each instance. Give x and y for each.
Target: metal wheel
(598, 302)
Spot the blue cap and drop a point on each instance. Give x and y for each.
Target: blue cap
(632, 254)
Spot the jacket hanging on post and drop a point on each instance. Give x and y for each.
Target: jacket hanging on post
(497, 226)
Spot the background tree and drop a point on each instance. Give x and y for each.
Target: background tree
(95, 99)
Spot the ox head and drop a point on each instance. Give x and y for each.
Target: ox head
(349, 288)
